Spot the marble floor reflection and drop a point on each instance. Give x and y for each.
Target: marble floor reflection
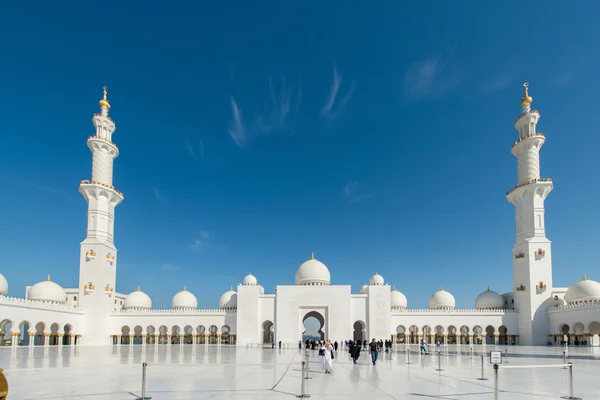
(214, 372)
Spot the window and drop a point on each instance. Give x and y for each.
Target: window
(512, 301)
(115, 301)
(74, 298)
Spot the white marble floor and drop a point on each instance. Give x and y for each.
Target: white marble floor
(212, 372)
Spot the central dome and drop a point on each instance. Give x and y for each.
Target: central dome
(313, 272)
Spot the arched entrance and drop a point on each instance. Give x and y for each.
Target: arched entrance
(268, 331)
(359, 331)
(314, 324)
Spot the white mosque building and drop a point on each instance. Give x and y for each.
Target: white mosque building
(94, 313)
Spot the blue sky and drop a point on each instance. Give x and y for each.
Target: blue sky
(376, 134)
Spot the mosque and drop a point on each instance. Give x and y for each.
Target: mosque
(533, 313)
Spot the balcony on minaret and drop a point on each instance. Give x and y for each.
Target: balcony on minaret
(90, 255)
(535, 134)
(528, 183)
(109, 291)
(89, 288)
(89, 182)
(110, 259)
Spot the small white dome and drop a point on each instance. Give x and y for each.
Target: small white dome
(489, 300)
(398, 300)
(442, 300)
(584, 290)
(377, 279)
(364, 289)
(138, 299)
(313, 272)
(184, 300)
(228, 300)
(250, 280)
(47, 291)
(3, 285)
(261, 289)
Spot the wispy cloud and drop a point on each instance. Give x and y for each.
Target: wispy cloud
(430, 78)
(355, 192)
(332, 109)
(271, 113)
(157, 193)
(203, 241)
(237, 131)
(196, 153)
(497, 83)
(48, 189)
(169, 267)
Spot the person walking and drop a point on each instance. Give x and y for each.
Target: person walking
(355, 353)
(327, 356)
(335, 346)
(374, 350)
(423, 347)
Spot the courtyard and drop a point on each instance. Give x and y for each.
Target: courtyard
(224, 372)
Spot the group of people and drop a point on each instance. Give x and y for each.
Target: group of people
(328, 350)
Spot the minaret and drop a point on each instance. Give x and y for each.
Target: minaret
(98, 259)
(532, 255)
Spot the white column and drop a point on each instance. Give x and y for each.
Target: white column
(60, 339)
(46, 339)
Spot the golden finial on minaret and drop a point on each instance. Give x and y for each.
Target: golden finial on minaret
(312, 256)
(584, 277)
(48, 278)
(527, 99)
(104, 102)
(488, 288)
(185, 288)
(231, 288)
(441, 288)
(138, 288)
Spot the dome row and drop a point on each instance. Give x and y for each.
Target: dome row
(185, 300)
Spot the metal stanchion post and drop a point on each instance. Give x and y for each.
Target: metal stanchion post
(471, 350)
(483, 378)
(565, 359)
(439, 361)
(506, 355)
(495, 381)
(143, 396)
(570, 396)
(303, 394)
(408, 355)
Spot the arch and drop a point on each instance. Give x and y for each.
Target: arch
(503, 332)
(6, 327)
(53, 339)
(213, 331)
(225, 334)
(319, 319)
(175, 332)
(359, 333)
(163, 334)
(594, 327)
(200, 332)
(413, 332)
(150, 334)
(489, 334)
(578, 328)
(267, 331)
(427, 334)
(451, 335)
(137, 334)
(400, 332)
(188, 334)
(40, 334)
(125, 330)
(464, 335)
(24, 330)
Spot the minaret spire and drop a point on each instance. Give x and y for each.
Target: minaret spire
(104, 104)
(532, 257)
